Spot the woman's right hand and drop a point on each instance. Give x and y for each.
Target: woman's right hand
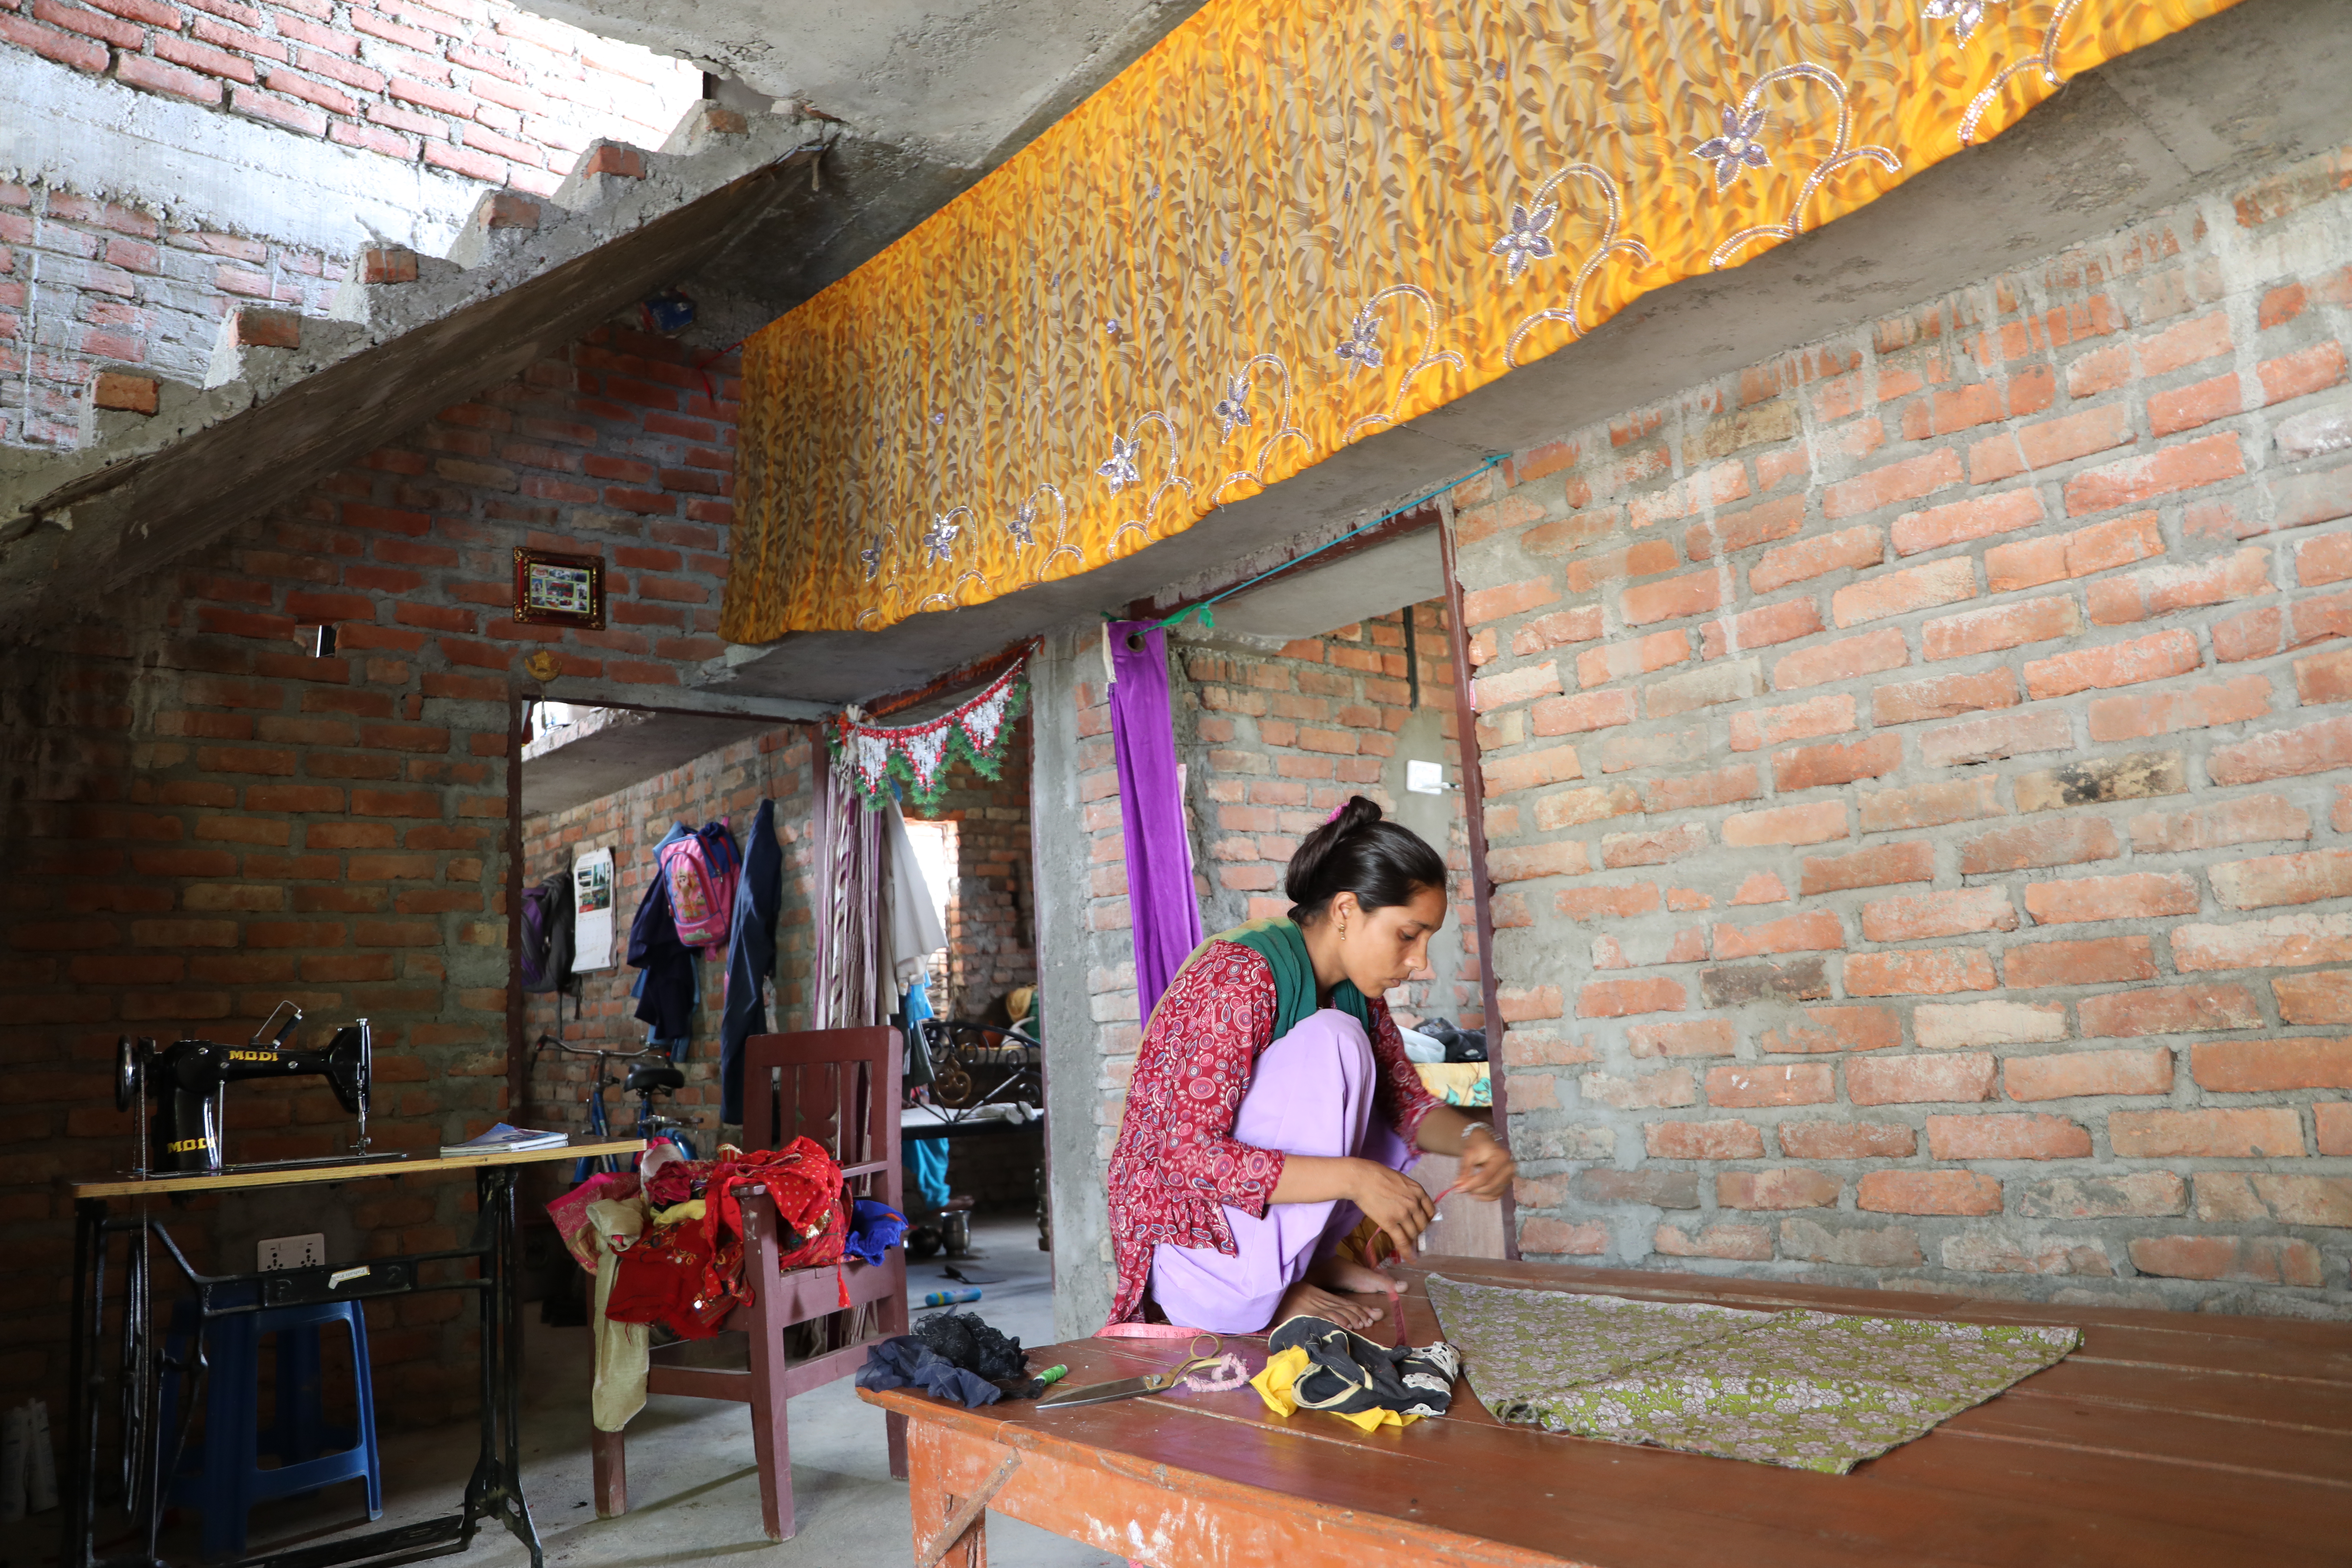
(1396, 1203)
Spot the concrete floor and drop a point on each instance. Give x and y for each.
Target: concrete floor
(693, 1492)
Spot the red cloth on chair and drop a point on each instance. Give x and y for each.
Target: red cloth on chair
(688, 1276)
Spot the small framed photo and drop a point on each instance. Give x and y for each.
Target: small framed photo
(559, 590)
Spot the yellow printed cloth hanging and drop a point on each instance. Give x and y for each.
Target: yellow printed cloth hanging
(1288, 227)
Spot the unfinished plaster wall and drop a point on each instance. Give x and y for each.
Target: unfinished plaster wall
(725, 785)
(1917, 787)
(199, 820)
(163, 167)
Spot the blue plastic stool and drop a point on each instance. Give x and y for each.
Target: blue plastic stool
(224, 1478)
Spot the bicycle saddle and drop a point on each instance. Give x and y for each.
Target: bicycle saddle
(651, 1074)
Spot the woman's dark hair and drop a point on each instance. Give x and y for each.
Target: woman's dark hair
(1359, 852)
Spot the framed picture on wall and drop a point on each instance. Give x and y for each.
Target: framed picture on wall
(550, 589)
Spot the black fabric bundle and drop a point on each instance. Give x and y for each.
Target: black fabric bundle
(906, 1362)
(964, 1339)
(1461, 1045)
(1350, 1374)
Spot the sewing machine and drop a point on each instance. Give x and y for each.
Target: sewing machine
(181, 1091)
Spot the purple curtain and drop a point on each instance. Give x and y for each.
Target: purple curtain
(1151, 808)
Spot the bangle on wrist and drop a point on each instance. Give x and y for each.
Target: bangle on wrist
(1494, 1137)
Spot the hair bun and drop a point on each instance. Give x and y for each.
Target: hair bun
(1357, 851)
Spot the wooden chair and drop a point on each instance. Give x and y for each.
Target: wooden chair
(840, 1088)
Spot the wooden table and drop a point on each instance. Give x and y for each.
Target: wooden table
(2168, 1439)
(495, 1490)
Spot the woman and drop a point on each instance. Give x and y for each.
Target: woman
(1273, 1105)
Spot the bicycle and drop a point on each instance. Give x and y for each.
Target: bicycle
(646, 1079)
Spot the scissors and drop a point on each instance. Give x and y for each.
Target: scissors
(1127, 1387)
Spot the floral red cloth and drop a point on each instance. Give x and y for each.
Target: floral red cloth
(1176, 1165)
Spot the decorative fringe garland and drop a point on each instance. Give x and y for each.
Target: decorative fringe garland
(919, 756)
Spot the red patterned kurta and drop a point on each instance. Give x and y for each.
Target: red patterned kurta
(1176, 1165)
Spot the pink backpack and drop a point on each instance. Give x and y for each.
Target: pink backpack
(701, 870)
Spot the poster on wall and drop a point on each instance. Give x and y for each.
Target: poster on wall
(591, 910)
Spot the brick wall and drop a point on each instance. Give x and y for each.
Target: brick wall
(730, 784)
(1272, 742)
(133, 288)
(992, 937)
(199, 820)
(1917, 788)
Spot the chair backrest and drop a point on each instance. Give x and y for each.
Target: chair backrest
(839, 1089)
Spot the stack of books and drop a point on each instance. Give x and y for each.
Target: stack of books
(505, 1140)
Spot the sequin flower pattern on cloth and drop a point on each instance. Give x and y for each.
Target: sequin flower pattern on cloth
(1285, 228)
(1813, 1390)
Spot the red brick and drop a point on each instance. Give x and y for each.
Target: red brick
(1941, 697)
(1901, 593)
(1660, 749)
(2334, 1119)
(1815, 823)
(1530, 770)
(1557, 629)
(1724, 786)
(2276, 1133)
(1965, 520)
(2178, 1010)
(1631, 655)
(1492, 692)
(2324, 998)
(1702, 1141)
(2299, 374)
(2138, 479)
(1736, 680)
(1928, 1192)
(200, 57)
(1552, 1237)
(1519, 862)
(1485, 604)
(1815, 930)
(2273, 879)
(2261, 1259)
(1743, 1243)
(1646, 559)
(1843, 660)
(1847, 1140)
(1931, 804)
(2250, 1067)
(1934, 971)
(1838, 763)
(2324, 679)
(1854, 547)
(2284, 753)
(2258, 634)
(1699, 1037)
(1895, 482)
(2157, 658)
(2169, 712)
(2005, 1135)
(2187, 407)
(2009, 626)
(66, 49)
(1829, 714)
(1976, 741)
(1790, 1187)
(1577, 715)
(1619, 998)
(2141, 896)
(2118, 601)
(1764, 628)
(2328, 559)
(1693, 593)
(1878, 867)
(1574, 807)
(1918, 1080)
(156, 76)
(1728, 532)
(2031, 563)
(1955, 911)
(2068, 841)
(1754, 1084)
(1607, 903)
(2079, 962)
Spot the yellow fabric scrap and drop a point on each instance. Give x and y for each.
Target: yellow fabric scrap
(675, 1212)
(1284, 1370)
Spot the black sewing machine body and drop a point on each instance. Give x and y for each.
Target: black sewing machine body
(183, 1088)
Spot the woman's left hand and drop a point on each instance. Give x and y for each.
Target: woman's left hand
(1486, 1167)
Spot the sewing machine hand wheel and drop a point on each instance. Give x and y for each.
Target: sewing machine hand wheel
(129, 1070)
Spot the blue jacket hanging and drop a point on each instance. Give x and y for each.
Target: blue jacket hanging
(667, 982)
(751, 957)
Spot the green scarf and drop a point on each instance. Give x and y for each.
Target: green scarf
(1280, 942)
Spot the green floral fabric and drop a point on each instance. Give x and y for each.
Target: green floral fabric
(1813, 1390)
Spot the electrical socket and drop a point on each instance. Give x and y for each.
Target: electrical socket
(290, 1252)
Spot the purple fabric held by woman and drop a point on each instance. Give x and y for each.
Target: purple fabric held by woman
(1151, 808)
